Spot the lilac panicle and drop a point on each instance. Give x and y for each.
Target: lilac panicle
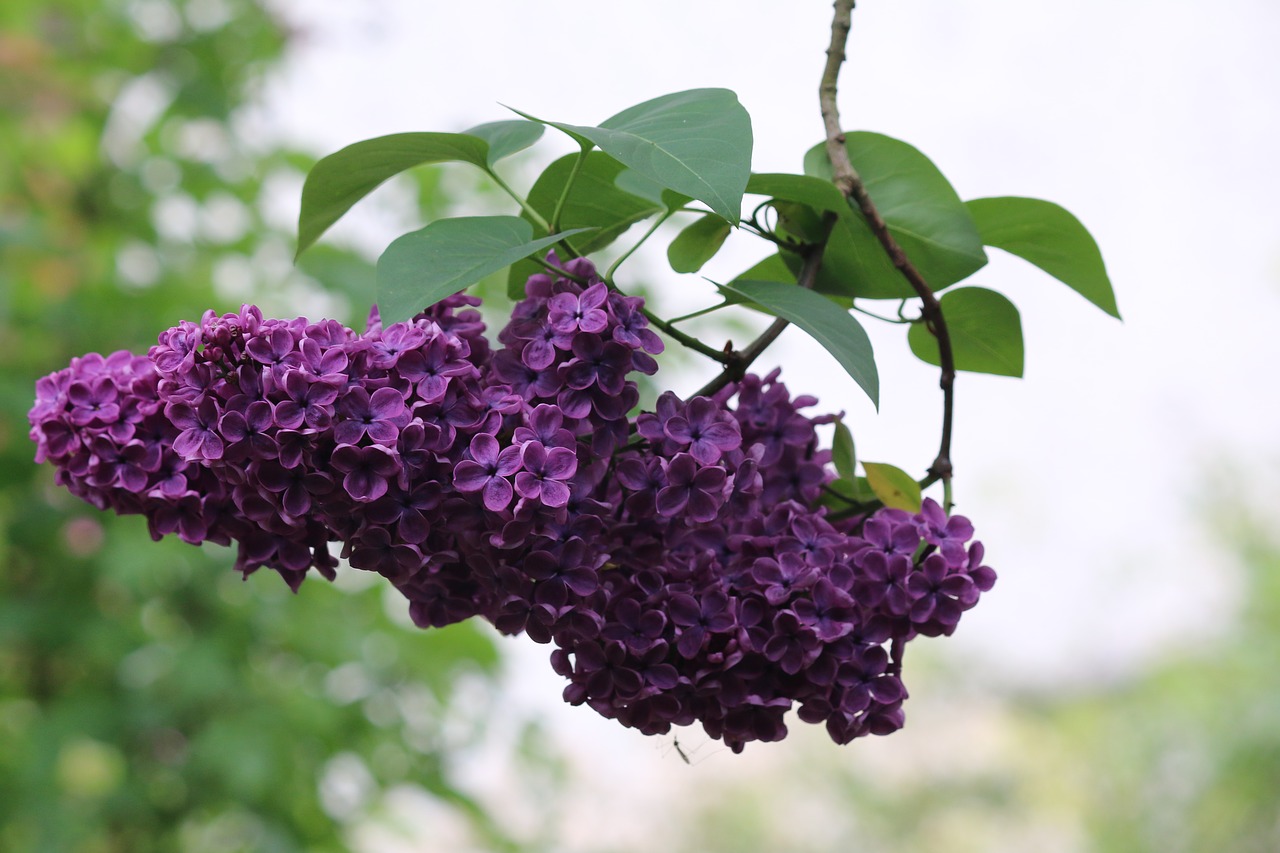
(678, 561)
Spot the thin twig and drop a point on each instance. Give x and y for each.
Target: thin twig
(688, 340)
(736, 362)
(850, 184)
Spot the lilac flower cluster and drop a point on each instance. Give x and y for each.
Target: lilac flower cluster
(101, 423)
(677, 559)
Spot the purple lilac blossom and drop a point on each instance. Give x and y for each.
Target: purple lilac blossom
(678, 562)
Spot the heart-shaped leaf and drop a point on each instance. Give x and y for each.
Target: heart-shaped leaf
(340, 180)
(595, 202)
(772, 268)
(506, 137)
(923, 212)
(629, 180)
(830, 325)
(1050, 237)
(697, 143)
(698, 243)
(985, 332)
(421, 268)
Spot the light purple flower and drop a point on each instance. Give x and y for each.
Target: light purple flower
(572, 312)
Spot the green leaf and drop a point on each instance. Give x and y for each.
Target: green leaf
(842, 453)
(697, 143)
(629, 180)
(518, 277)
(423, 267)
(506, 137)
(594, 201)
(985, 331)
(818, 193)
(894, 487)
(833, 327)
(921, 209)
(772, 268)
(848, 490)
(340, 180)
(854, 263)
(698, 243)
(1051, 238)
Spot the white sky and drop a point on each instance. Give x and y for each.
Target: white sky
(1154, 122)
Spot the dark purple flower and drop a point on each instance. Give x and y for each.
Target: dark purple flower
(636, 627)
(543, 343)
(368, 470)
(95, 400)
(394, 340)
(881, 578)
(309, 400)
(410, 511)
(829, 611)
(177, 347)
(633, 327)
(199, 437)
(546, 425)
(792, 644)
(322, 351)
(697, 491)
(703, 431)
(597, 363)
(893, 532)
(697, 618)
(247, 432)
(375, 550)
(983, 577)
(643, 478)
(487, 471)
(433, 366)
(137, 462)
(938, 597)
(554, 578)
(545, 474)
(294, 487)
(779, 578)
(602, 671)
(275, 348)
(864, 680)
(949, 534)
(653, 426)
(380, 416)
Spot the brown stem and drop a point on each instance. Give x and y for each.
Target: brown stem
(850, 184)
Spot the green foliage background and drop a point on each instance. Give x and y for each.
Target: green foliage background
(149, 699)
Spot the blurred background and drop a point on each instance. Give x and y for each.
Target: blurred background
(1118, 691)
